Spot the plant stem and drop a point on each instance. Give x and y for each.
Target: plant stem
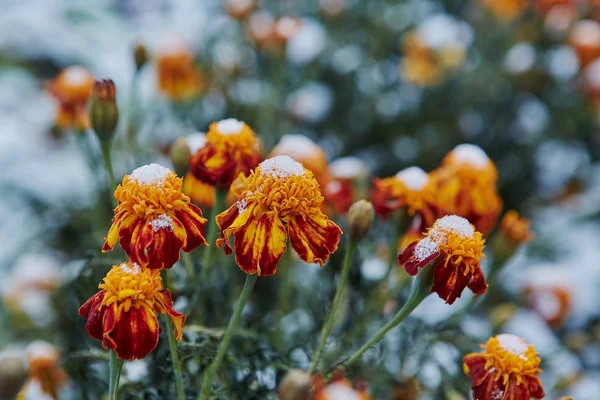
(188, 263)
(337, 299)
(401, 223)
(213, 229)
(222, 350)
(105, 146)
(175, 359)
(115, 373)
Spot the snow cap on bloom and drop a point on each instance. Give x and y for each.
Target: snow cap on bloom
(46, 376)
(346, 181)
(154, 220)
(338, 388)
(72, 88)
(302, 149)
(122, 315)
(456, 250)
(506, 369)
(280, 200)
(178, 77)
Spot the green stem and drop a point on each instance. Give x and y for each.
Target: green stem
(188, 263)
(175, 359)
(222, 350)
(105, 145)
(420, 291)
(115, 373)
(211, 235)
(131, 128)
(401, 223)
(337, 299)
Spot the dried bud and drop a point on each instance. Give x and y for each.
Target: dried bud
(296, 385)
(12, 374)
(180, 156)
(103, 111)
(141, 56)
(360, 218)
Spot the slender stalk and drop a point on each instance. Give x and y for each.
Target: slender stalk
(211, 235)
(105, 146)
(188, 263)
(175, 359)
(401, 223)
(115, 373)
(131, 126)
(337, 299)
(222, 350)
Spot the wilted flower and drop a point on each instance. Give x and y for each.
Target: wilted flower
(506, 10)
(338, 388)
(45, 373)
(72, 89)
(231, 148)
(178, 77)
(408, 190)
(516, 229)
(305, 151)
(154, 220)
(456, 250)
(281, 200)
(507, 369)
(123, 313)
(465, 185)
(551, 301)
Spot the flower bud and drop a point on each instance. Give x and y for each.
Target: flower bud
(141, 56)
(296, 385)
(12, 374)
(360, 218)
(103, 110)
(180, 156)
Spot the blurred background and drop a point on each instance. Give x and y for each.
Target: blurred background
(389, 84)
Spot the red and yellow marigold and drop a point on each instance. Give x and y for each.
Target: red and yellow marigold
(507, 369)
(71, 88)
(465, 185)
(305, 151)
(338, 388)
(231, 148)
(45, 372)
(154, 220)
(281, 199)
(122, 315)
(178, 78)
(551, 301)
(345, 182)
(456, 250)
(515, 228)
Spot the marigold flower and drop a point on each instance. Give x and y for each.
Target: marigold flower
(154, 220)
(178, 77)
(305, 151)
(45, 373)
(123, 313)
(516, 228)
(456, 250)
(338, 388)
(409, 190)
(231, 148)
(72, 89)
(239, 9)
(465, 185)
(585, 40)
(507, 369)
(281, 199)
(506, 10)
(260, 28)
(285, 28)
(345, 182)
(551, 301)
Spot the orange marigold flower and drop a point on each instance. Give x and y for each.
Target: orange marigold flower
(305, 151)
(231, 147)
(45, 372)
(585, 40)
(281, 199)
(123, 313)
(338, 388)
(239, 9)
(506, 10)
(201, 194)
(345, 182)
(551, 301)
(154, 220)
(456, 249)
(409, 190)
(516, 228)
(72, 89)
(507, 369)
(465, 185)
(178, 77)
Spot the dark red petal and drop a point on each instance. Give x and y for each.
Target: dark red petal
(91, 310)
(315, 237)
(135, 333)
(475, 368)
(478, 284)
(195, 227)
(449, 281)
(162, 246)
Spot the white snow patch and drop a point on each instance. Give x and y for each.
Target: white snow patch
(150, 174)
(281, 167)
(512, 344)
(347, 167)
(298, 146)
(455, 224)
(546, 303)
(425, 248)
(42, 349)
(196, 141)
(413, 178)
(230, 126)
(163, 221)
(586, 33)
(440, 31)
(132, 269)
(471, 154)
(520, 58)
(312, 102)
(339, 391)
(497, 394)
(241, 205)
(307, 43)
(77, 75)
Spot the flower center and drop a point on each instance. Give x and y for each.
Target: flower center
(509, 354)
(284, 186)
(233, 137)
(130, 285)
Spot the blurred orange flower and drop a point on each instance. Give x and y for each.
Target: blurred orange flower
(516, 228)
(338, 388)
(305, 151)
(154, 220)
(456, 249)
(551, 302)
(465, 185)
(281, 200)
(506, 10)
(178, 77)
(231, 148)
(345, 182)
(585, 40)
(123, 313)
(72, 89)
(45, 372)
(507, 369)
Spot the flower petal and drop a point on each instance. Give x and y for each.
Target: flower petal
(119, 221)
(410, 263)
(194, 225)
(91, 310)
(314, 237)
(488, 389)
(535, 387)
(474, 367)
(516, 392)
(229, 221)
(260, 243)
(478, 284)
(164, 305)
(449, 281)
(134, 333)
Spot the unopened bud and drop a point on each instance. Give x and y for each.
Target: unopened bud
(141, 56)
(360, 218)
(103, 110)
(180, 156)
(12, 374)
(295, 385)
